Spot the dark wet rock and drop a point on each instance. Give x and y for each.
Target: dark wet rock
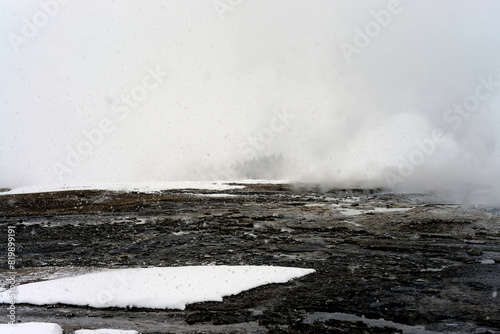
(474, 251)
(435, 265)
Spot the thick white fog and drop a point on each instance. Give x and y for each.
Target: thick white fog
(397, 94)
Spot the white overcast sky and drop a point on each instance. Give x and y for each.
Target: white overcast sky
(230, 73)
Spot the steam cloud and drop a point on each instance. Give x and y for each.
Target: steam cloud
(401, 94)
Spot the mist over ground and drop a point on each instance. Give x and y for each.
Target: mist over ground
(397, 94)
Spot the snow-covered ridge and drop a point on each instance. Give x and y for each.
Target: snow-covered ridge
(146, 187)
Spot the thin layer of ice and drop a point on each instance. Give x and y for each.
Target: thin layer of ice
(312, 318)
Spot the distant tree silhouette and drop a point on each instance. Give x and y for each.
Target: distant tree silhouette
(264, 167)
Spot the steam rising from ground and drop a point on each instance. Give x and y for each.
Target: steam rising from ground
(383, 93)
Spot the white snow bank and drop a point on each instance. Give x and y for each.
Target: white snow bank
(104, 331)
(171, 287)
(31, 328)
(49, 328)
(142, 186)
(128, 186)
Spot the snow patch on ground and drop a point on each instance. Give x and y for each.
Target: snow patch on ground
(49, 328)
(170, 287)
(146, 187)
(105, 331)
(216, 195)
(31, 328)
(260, 181)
